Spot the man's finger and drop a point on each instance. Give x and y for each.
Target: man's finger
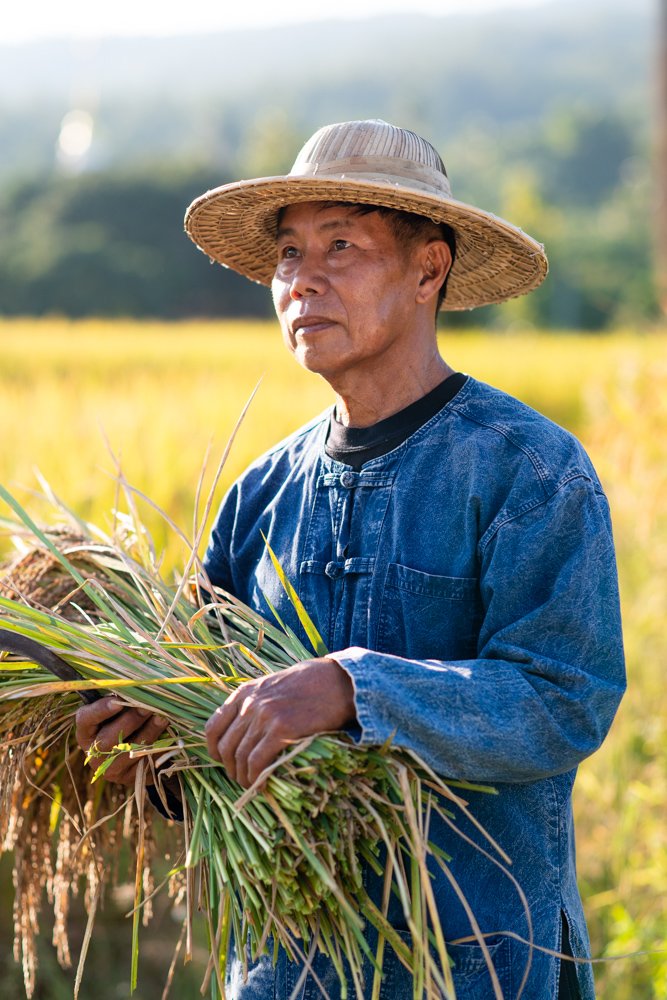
(251, 743)
(250, 765)
(123, 768)
(226, 749)
(123, 725)
(90, 717)
(219, 723)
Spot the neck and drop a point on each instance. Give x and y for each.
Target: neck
(360, 403)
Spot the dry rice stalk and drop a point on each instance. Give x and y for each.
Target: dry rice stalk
(280, 864)
(47, 802)
(36, 576)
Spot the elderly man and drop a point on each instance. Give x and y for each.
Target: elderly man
(452, 545)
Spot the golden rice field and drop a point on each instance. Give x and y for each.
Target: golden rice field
(158, 396)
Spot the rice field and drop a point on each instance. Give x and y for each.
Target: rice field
(159, 396)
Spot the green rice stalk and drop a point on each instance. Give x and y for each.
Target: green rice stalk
(279, 864)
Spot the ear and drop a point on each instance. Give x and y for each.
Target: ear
(436, 262)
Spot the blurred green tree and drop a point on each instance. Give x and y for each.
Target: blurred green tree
(112, 245)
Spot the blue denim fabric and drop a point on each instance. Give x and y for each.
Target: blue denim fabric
(466, 581)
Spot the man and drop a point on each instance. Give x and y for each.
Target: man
(452, 545)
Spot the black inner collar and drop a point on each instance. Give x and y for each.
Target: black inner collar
(356, 445)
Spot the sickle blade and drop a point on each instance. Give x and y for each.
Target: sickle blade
(37, 653)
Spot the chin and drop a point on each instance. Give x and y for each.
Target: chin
(317, 362)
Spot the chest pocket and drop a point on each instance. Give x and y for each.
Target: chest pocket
(423, 616)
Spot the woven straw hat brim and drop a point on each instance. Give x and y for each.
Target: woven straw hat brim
(236, 225)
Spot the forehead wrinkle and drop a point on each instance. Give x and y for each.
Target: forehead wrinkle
(337, 222)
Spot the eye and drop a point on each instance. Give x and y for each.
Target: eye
(288, 252)
(340, 244)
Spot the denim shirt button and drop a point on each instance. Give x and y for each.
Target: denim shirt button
(347, 479)
(333, 570)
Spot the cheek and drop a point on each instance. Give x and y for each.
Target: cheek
(281, 300)
(287, 338)
(392, 304)
(280, 296)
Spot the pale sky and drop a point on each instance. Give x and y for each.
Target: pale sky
(90, 18)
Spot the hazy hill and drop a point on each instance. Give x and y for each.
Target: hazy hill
(543, 116)
(197, 97)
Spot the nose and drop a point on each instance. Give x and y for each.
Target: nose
(306, 279)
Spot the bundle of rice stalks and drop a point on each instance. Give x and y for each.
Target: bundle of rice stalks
(280, 863)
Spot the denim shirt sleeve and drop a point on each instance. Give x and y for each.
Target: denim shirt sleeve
(542, 692)
(216, 558)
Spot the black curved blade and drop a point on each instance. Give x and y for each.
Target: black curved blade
(14, 643)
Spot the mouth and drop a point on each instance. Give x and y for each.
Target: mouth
(310, 324)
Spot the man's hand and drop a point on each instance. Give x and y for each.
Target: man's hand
(108, 721)
(263, 717)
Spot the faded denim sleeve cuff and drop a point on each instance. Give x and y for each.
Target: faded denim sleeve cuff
(355, 662)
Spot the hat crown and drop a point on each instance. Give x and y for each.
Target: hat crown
(376, 151)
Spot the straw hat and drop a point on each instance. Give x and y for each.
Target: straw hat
(369, 162)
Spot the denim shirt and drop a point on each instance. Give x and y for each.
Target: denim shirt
(466, 581)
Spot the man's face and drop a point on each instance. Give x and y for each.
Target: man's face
(344, 291)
